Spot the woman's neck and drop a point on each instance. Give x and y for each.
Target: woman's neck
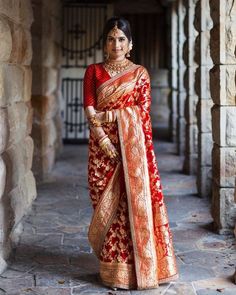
(116, 60)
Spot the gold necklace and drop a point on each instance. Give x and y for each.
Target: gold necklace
(117, 67)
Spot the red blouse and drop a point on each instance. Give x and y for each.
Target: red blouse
(95, 75)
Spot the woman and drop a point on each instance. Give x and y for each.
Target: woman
(129, 231)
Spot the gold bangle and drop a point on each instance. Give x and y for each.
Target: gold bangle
(107, 116)
(94, 122)
(110, 116)
(104, 144)
(101, 139)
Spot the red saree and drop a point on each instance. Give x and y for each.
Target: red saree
(129, 231)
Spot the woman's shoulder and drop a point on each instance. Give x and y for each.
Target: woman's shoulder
(141, 70)
(92, 68)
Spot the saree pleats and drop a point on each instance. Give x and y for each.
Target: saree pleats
(129, 231)
(104, 213)
(120, 275)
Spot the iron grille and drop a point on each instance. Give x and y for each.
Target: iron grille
(82, 32)
(75, 123)
(81, 45)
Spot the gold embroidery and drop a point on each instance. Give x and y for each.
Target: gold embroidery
(139, 196)
(128, 89)
(120, 275)
(104, 213)
(112, 91)
(164, 244)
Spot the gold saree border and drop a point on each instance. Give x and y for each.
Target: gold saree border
(165, 252)
(116, 77)
(138, 195)
(117, 274)
(169, 279)
(122, 275)
(112, 90)
(105, 212)
(159, 267)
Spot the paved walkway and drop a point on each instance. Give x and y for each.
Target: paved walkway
(54, 257)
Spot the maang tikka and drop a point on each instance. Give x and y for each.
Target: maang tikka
(115, 29)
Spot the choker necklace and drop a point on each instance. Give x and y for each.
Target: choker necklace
(117, 67)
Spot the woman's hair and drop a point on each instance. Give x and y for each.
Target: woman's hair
(121, 23)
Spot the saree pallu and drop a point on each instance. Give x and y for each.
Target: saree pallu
(129, 231)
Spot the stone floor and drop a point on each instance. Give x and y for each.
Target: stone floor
(54, 258)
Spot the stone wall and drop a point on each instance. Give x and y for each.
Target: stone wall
(17, 183)
(223, 89)
(46, 131)
(160, 111)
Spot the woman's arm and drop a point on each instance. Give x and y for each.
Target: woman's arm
(103, 140)
(97, 131)
(95, 118)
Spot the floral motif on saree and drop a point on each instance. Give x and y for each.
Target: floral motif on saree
(129, 231)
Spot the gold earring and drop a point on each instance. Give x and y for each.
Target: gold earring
(106, 55)
(130, 48)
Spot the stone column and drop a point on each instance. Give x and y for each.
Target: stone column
(160, 109)
(203, 24)
(181, 96)
(191, 144)
(173, 71)
(17, 184)
(223, 89)
(46, 63)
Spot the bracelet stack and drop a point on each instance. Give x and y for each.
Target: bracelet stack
(105, 146)
(110, 116)
(103, 141)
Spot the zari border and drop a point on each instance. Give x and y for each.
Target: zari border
(119, 275)
(138, 195)
(105, 212)
(111, 91)
(114, 78)
(169, 279)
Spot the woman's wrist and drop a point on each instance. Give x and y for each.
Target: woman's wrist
(103, 140)
(110, 116)
(94, 121)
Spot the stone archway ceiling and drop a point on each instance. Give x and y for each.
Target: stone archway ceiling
(131, 6)
(138, 6)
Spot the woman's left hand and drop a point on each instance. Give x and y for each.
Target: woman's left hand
(100, 116)
(106, 117)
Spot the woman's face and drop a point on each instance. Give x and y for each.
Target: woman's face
(117, 44)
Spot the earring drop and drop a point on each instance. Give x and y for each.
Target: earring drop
(130, 48)
(106, 56)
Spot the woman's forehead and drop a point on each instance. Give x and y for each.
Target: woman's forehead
(116, 33)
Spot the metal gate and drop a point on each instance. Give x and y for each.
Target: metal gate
(75, 123)
(81, 46)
